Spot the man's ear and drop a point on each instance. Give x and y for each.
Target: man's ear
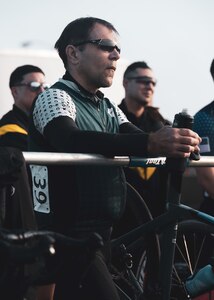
(13, 91)
(125, 82)
(72, 54)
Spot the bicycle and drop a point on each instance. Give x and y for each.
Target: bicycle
(170, 279)
(27, 247)
(174, 214)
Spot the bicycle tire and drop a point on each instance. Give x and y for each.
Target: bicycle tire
(191, 253)
(194, 250)
(197, 237)
(137, 213)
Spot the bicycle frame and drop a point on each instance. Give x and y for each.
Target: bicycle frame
(166, 223)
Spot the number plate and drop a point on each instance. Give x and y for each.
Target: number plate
(40, 188)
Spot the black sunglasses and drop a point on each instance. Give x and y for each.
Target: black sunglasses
(34, 85)
(143, 80)
(105, 45)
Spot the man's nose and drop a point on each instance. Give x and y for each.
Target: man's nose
(115, 54)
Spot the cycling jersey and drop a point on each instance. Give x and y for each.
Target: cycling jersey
(204, 126)
(80, 198)
(14, 128)
(17, 197)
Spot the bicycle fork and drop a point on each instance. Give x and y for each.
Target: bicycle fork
(169, 236)
(168, 242)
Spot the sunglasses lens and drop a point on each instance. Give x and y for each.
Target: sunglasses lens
(35, 86)
(108, 45)
(106, 48)
(146, 82)
(143, 80)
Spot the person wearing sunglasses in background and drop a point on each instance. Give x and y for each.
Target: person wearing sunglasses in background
(25, 83)
(74, 116)
(139, 84)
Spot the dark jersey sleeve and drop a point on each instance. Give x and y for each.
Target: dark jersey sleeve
(14, 139)
(63, 134)
(54, 116)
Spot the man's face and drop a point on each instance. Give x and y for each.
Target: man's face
(97, 62)
(24, 94)
(139, 86)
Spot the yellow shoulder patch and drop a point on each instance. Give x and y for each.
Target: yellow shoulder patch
(12, 128)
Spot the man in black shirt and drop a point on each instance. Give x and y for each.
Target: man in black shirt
(139, 83)
(25, 83)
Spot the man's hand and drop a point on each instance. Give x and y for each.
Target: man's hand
(173, 142)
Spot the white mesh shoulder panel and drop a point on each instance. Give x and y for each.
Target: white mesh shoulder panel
(121, 116)
(51, 104)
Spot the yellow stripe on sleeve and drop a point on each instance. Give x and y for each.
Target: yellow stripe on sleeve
(12, 128)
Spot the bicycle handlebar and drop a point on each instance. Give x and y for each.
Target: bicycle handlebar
(96, 159)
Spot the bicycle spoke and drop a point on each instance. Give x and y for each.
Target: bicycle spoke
(187, 253)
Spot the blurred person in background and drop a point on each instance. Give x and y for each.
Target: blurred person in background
(204, 125)
(25, 83)
(139, 83)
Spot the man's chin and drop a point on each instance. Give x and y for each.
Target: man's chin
(145, 102)
(107, 83)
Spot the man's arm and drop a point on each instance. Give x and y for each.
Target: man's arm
(63, 134)
(54, 117)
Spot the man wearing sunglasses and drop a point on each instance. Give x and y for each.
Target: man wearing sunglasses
(74, 116)
(25, 83)
(139, 84)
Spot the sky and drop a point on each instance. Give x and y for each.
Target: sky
(175, 37)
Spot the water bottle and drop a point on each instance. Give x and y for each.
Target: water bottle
(183, 120)
(201, 282)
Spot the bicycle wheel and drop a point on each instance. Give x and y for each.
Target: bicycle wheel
(194, 249)
(136, 213)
